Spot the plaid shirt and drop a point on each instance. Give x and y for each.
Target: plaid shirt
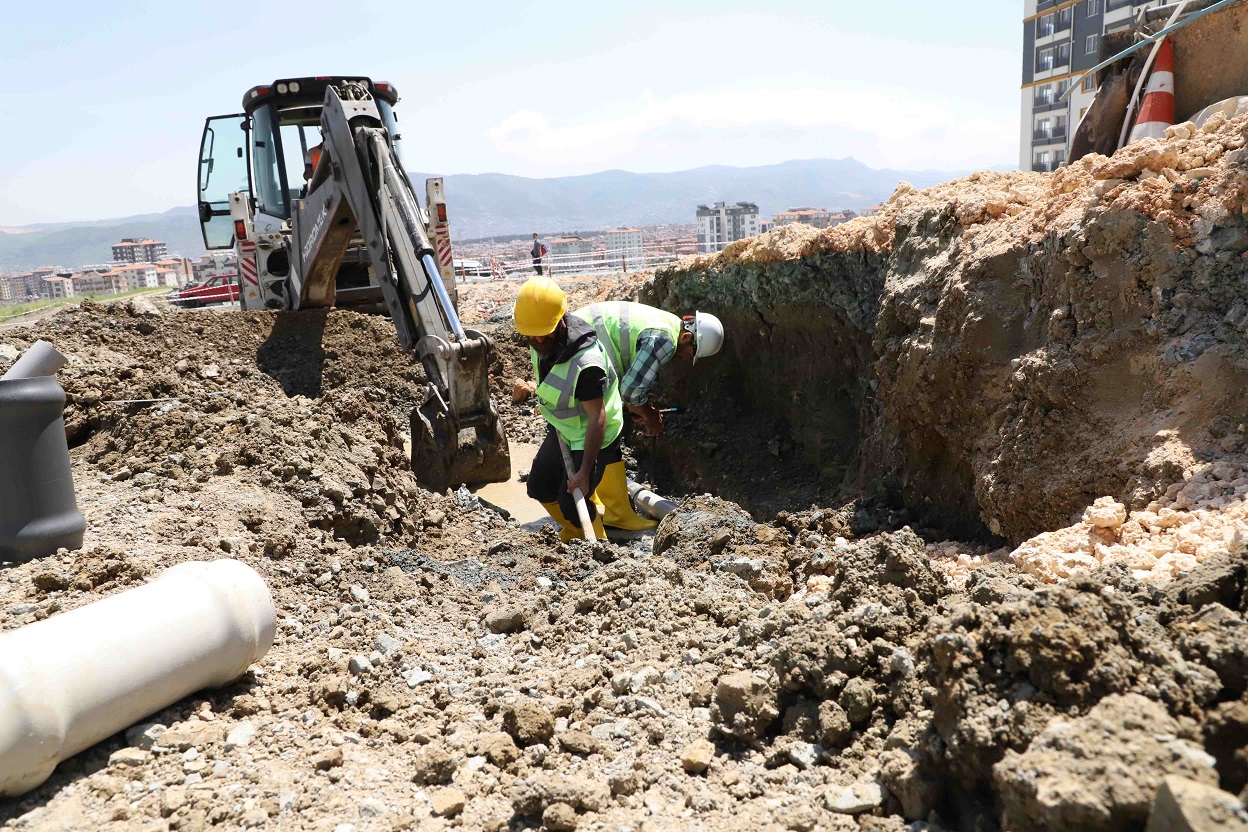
(654, 349)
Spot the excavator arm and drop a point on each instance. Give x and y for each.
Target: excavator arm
(359, 191)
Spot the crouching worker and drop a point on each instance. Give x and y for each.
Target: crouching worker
(578, 396)
(639, 341)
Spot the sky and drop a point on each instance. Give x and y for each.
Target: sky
(104, 103)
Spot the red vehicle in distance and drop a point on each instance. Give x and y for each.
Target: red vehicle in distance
(221, 288)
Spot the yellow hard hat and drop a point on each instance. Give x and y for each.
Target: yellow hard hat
(539, 306)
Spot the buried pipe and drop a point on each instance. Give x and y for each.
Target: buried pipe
(71, 680)
(648, 503)
(41, 359)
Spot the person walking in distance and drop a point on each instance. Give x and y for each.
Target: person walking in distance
(538, 251)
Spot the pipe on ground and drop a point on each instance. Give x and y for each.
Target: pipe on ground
(42, 359)
(71, 680)
(648, 503)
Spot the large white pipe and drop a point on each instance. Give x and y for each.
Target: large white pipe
(41, 359)
(648, 503)
(71, 680)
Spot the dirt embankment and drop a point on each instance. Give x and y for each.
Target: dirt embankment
(994, 353)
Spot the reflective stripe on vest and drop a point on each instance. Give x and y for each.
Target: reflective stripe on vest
(556, 396)
(619, 325)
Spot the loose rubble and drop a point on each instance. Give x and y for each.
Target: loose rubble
(999, 583)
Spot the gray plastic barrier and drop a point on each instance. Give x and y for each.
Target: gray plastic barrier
(38, 511)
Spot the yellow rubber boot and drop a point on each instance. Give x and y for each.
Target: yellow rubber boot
(613, 494)
(567, 531)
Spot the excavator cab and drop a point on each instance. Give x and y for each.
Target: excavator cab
(307, 185)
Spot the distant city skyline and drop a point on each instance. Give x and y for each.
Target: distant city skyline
(112, 97)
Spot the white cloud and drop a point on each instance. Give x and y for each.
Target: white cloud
(878, 129)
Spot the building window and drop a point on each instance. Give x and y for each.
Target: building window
(1062, 58)
(1089, 82)
(1064, 18)
(1082, 111)
(1044, 60)
(1093, 7)
(1090, 44)
(1044, 26)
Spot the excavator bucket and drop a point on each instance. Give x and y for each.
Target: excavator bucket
(443, 457)
(472, 448)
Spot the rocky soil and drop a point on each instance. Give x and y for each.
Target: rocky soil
(975, 559)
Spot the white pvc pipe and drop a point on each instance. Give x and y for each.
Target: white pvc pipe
(648, 503)
(71, 680)
(41, 359)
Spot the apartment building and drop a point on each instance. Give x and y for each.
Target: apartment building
(720, 224)
(1061, 40)
(814, 217)
(626, 246)
(101, 283)
(214, 263)
(139, 250)
(55, 287)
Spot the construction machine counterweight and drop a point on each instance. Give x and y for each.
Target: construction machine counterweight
(354, 235)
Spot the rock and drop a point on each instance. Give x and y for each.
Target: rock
(559, 817)
(623, 783)
(360, 665)
(521, 391)
(578, 743)
(417, 676)
(505, 620)
(210, 371)
(141, 307)
(834, 728)
(145, 734)
(192, 734)
(172, 798)
(327, 759)
(500, 749)
(8, 354)
(1226, 738)
(371, 807)
(1218, 638)
(862, 796)
(1105, 513)
(447, 803)
(359, 593)
(648, 676)
(240, 735)
(387, 644)
(903, 776)
(697, 756)
(743, 705)
(1183, 805)
(435, 518)
(1062, 780)
(529, 723)
(129, 757)
(435, 765)
(531, 795)
(804, 755)
(858, 700)
(49, 581)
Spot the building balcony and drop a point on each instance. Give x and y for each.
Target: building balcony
(1111, 5)
(1052, 136)
(1047, 167)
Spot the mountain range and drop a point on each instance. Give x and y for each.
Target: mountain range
(496, 204)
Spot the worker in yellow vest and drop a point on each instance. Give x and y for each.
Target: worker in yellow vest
(639, 341)
(577, 394)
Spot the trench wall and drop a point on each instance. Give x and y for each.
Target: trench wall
(995, 385)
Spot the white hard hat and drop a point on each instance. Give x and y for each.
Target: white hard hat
(708, 335)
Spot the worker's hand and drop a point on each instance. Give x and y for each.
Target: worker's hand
(653, 420)
(579, 480)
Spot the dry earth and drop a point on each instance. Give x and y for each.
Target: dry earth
(985, 568)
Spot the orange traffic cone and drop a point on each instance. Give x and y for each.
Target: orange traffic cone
(1157, 108)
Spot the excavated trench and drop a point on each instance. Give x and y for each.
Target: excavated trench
(978, 383)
